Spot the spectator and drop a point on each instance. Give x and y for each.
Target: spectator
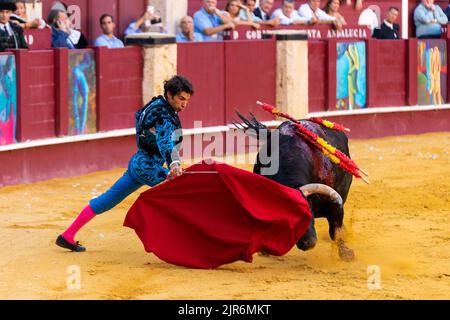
(311, 11)
(288, 15)
(370, 19)
(388, 29)
(246, 11)
(187, 32)
(63, 35)
(429, 19)
(54, 11)
(232, 9)
(240, 14)
(263, 13)
(148, 22)
(108, 39)
(251, 5)
(20, 17)
(11, 35)
(332, 9)
(211, 22)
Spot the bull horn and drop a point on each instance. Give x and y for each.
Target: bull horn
(322, 189)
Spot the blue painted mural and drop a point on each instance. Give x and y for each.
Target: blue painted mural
(82, 93)
(351, 75)
(8, 100)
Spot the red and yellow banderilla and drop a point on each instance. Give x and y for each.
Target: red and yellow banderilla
(335, 155)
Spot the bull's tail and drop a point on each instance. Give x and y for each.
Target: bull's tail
(252, 126)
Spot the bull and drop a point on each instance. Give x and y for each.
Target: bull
(303, 166)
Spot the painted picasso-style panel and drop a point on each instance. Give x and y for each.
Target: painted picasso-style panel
(82, 93)
(8, 98)
(351, 75)
(432, 72)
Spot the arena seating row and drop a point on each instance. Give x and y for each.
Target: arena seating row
(228, 76)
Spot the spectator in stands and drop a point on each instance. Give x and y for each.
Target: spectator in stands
(148, 22)
(332, 9)
(311, 11)
(11, 35)
(20, 16)
(429, 19)
(187, 33)
(263, 12)
(388, 29)
(246, 11)
(53, 13)
(108, 39)
(63, 35)
(251, 4)
(211, 22)
(288, 15)
(241, 15)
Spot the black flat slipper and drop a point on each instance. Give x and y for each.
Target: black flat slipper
(63, 243)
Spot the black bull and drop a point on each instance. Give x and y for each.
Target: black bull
(299, 164)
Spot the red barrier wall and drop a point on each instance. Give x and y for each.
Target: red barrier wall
(331, 77)
(36, 88)
(64, 160)
(227, 76)
(314, 32)
(119, 87)
(38, 39)
(391, 73)
(412, 72)
(42, 91)
(318, 75)
(250, 76)
(204, 65)
(367, 126)
(62, 91)
(387, 70)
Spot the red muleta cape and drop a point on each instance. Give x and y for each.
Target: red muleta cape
(216, 214)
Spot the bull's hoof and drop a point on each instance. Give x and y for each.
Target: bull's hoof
(346, 254)
(264, 253)
(306, 245)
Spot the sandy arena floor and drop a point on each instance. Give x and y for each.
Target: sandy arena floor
(400, 223)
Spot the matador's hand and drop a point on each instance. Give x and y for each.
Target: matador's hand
(175, 170)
